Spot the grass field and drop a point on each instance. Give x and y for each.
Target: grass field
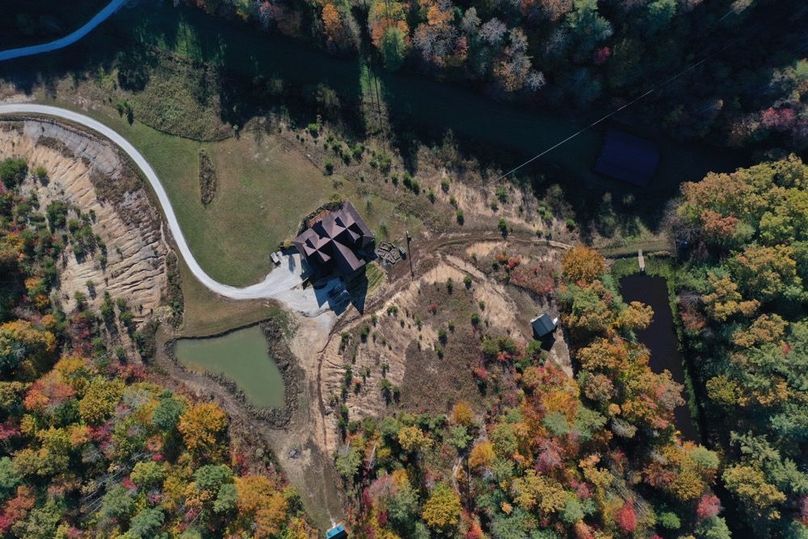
(265, 187)
(264, 190)
(208, 314)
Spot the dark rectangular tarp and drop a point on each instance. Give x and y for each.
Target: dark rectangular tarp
(627, 158)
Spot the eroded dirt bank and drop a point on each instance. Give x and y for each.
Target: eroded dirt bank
(89, 175)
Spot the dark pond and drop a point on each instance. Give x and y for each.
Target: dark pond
(660, 337)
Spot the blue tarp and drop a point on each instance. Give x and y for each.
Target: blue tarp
(627, 158)
(337, 532)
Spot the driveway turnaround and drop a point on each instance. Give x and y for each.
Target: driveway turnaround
(282, 284)
(69, 39)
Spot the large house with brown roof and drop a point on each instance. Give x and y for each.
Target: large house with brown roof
(336, 241)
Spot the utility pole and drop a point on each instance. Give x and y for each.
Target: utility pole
(409, 253)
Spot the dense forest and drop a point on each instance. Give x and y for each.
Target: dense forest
(597, 455)
(91, 445)
(742, 84)
(743, 303)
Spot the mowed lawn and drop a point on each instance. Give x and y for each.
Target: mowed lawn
(264, 190)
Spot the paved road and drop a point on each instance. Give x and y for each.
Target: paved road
(69, 39)
(282, 284)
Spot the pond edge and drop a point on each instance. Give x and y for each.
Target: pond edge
(279, 352)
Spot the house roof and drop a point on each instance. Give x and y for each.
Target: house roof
(627, 158)
(542, 325)
(335, 240)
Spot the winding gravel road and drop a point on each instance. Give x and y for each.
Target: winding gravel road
(282, 284)
(67, 40)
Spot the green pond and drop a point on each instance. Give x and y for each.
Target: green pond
(243, 357)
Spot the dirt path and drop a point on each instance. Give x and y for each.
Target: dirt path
(296, 447)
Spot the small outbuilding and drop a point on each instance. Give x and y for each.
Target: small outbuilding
(627, 158)
(543, 325)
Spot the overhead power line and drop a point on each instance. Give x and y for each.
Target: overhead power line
(642, 96)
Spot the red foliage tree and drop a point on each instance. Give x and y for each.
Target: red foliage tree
(627, 518)
(601, 55)
(708, 507)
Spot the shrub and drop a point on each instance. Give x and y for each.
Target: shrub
(411, 184)
(41, 173)
(207, 178)
(460, 218)
(13, 172)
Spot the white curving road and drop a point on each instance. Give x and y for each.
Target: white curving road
(67, 40)
(282, 284)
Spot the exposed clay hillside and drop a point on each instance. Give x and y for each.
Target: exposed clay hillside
(422, 341)
(89, 174)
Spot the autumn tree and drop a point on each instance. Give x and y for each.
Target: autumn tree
(24, 348)
(751, 354)
(260, 501)
(442, 510)
(413, 439)
(751, 487)
(482, 455)
(582, 264)
(203, 427)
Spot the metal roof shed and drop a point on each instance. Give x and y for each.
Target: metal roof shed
(627, 158)
(543, 325)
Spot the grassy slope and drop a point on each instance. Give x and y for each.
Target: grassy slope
(263, 192)
(208, 314)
